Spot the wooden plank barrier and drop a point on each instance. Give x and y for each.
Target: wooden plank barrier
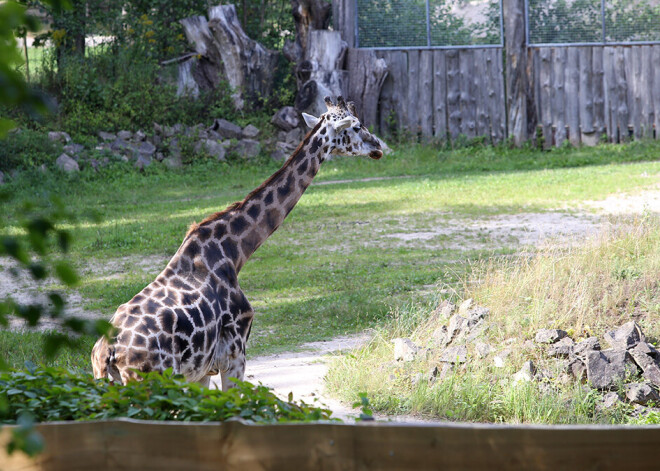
(139, 445)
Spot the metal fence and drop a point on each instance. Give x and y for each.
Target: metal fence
(592, 22)
(428, 24)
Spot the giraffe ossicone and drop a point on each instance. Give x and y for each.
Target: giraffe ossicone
(194, 317)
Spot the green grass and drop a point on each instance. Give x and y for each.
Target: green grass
(331, 268)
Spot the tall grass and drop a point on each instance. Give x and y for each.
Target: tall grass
(586, 289)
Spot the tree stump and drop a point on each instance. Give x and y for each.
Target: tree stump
(367, 74)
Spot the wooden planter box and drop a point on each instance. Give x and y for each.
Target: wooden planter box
(140, 445)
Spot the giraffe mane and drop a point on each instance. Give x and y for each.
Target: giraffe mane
(239, 204)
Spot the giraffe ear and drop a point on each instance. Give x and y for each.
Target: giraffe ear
(343, 124)
(310, 120)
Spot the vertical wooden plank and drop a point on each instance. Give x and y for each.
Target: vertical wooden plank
(647, 92)
(536, 71)
(453, 93)
(598, 91)
(386, 112)
(481, 95)
(398, 73)
(426, 93)
(545, 79)
(517, 88)
(586, 98)
(611, 93)
(468, 112)
(572, 74)
(635, 86)
(559, 94)
(413, 93)
(622, 113)
(497, 96)
(656, 90)
(439, 96)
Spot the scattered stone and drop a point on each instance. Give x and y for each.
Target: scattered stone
(476, 315)
(499, 360)
(457, 325)
(139, 136)
(250, 131)
(294, 137)
(143, 161)
(652, 373)
(248, 148)
(277, 155)
(73, 148)
(158, 129)
(173, 161)
(581, 348)
(641, 393)
(107, 136)
(286, 118)
(465, 306)
(405, 349)
(626, 336)
(526, 373)
(157, 140)
(418, 378)
(59, 136)
(120, 144)
(94, 164)
(482, 349)
(446, 309)
(159, 156)
(577, 369)
(146, 148)
(454, 355)
(607, 367)
(2, 178)
(549, 335)
(67, 164)
(212, 148)
(439, 336)
(125, 135)
(610, 400)
(175, 149)
(227, 129)
(562, 349)
(645, 355)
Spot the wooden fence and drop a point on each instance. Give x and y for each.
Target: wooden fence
(582, 94)
(136, 445)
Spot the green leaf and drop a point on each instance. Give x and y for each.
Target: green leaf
(66, 273)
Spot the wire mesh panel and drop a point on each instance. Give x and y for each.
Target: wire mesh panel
(592, 21)
(632, 20)
(428, 23)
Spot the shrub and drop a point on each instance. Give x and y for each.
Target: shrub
(50, 394)
(27, 149)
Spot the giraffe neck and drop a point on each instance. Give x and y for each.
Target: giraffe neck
(261, 213)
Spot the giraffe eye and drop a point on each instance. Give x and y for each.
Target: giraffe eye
(356, 128)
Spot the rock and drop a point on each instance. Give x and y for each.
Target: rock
(67, 164)
(476, 315)
(405, 349)
(250, 131)
(227, 129)
(107, 136)
(465, 306)
(526, 373)
(644, 355)
(120, 144)
(286, 118)
(499, 360)
(561, 349)
(158, 129)
(277, 155)
(454, 355)
(439, 336)
(43, 168)
(625, 337)
(94, 164)
(482, 349)
(610, 400)
(174, 149)
(607, 367)
(59, 136)
(125, 135)
(294, 137)
(212, 148)
(146, 148)
(446, 309)
(157, 140)
(248, 148)
(173, 161)
(457, 326)
(73, 148)
(142, 161)
(549, 335)
(577, 369)
(581, 348)
(641, 393)
(159, 156)
(652, 374)
(2, 178)
(139, 136)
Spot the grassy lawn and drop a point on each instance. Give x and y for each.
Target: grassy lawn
(332, 268)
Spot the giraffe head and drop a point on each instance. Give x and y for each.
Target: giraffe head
(346, 135)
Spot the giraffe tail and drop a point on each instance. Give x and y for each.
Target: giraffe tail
(104, 361)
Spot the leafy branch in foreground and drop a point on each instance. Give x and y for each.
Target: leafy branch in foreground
(50, 394)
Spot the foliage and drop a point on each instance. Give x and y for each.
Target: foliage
(27, 149)
(54, 394)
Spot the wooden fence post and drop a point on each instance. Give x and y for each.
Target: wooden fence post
(517, 82)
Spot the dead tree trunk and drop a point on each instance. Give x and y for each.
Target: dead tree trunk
(367, 74)
(227, 53)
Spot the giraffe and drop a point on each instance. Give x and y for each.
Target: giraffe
(194, 317)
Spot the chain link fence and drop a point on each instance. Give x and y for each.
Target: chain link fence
(407, 24)
(561, 22)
